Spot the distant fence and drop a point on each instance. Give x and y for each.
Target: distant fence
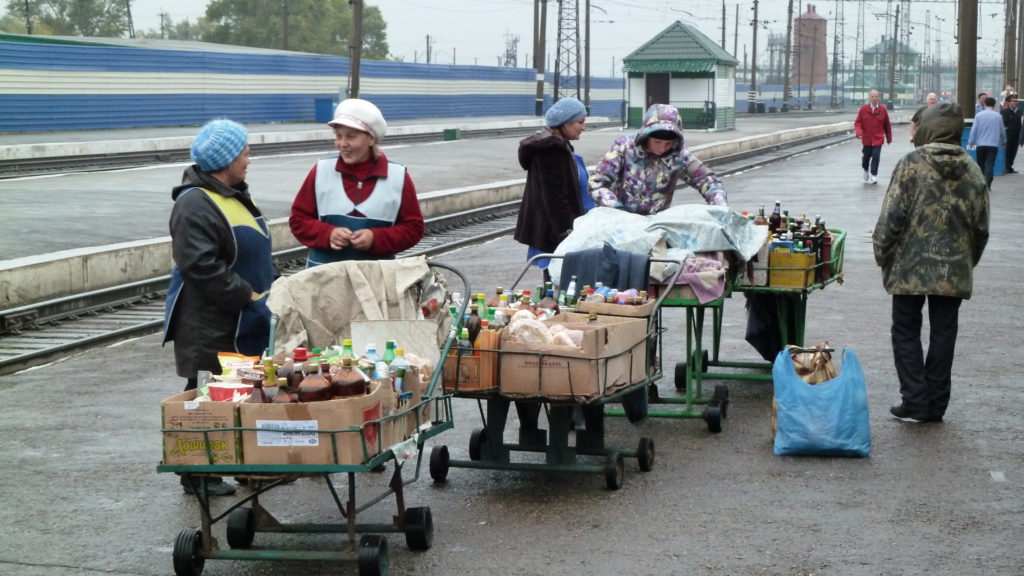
(69, 85)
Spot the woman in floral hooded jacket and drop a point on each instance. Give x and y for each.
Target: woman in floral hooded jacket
(639, 174)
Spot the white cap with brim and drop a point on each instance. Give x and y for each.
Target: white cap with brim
(361, 115)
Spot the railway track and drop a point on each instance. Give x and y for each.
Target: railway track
(44, 332)
(22, 167)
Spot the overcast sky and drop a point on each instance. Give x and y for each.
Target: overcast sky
(476, 31)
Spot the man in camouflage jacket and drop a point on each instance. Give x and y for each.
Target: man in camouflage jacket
(930, 235)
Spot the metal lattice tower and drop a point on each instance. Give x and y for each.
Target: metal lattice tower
(511, 58)
(567, 64)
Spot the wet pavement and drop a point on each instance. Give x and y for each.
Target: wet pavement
(80, 441)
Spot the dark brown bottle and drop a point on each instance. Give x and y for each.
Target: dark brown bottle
(347, 380)
(314, 386)
(258, 395)
(473, 323)
(284, 394)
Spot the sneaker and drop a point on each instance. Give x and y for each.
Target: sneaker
(873, 180)
(214, 486)
(904, 414)
(867, 176)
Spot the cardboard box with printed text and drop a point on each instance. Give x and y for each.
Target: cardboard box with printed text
(183, 411)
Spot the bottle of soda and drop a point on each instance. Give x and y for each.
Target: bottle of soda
(258, 395)
(570, 292)
(465, 345)
(389, 352)
(399, 367)
(495, 300)
(775, 220)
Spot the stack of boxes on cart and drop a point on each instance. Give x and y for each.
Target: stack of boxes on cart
(797, 252)
(567, 345)
(283, 409)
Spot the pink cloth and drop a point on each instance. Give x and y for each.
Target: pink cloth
(706, 277)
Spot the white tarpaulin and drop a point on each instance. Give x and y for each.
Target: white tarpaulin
(676, 233)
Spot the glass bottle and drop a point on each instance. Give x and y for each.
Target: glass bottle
(775, 220)
(570, 291)
(496, 298)
(258, 395)
(314, 387)
(760, 219)
(549, 305)
(473, 323)
(465, 345)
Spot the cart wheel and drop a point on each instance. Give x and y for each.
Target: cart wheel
(704, 359)
(645, 454)
(373, 555)
(439, 463)
(713, 416)
(476, 440)
(419, 528)
(680, 376)
(188, 553)
(241, 528)
(614, 472)
(721, 395)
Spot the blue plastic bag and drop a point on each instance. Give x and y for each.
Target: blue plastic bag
(826, 419)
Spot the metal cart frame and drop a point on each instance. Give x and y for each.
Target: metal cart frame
(691, 373)
(246, 515)
(489, 451)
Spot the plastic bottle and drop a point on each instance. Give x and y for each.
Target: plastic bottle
(398, 368)
(775, 220)
(371, 353)
(495, 300)
(465, 345)
(347, 380)
(258, 395)
(346, 349)
(389, 352)
(314, 387)
(549, 305)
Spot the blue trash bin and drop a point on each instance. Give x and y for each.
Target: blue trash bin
(1000, 166)
(324, 109)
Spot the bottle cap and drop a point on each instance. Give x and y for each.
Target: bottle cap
(300, 355)
(399, 351)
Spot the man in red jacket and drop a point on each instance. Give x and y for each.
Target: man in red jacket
(873, 128)
(358, 206)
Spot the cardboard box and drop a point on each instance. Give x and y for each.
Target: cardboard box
(791, 269)
(182, 411)
(641, 311)
(474, 373)
(675, 292)
(297, 433)
(613, 355)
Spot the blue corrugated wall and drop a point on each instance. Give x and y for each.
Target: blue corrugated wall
(67, 86)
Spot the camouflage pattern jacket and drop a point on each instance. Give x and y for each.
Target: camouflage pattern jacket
(933, 225)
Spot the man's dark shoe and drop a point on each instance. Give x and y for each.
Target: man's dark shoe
(1011, 171)
(214, 486)
(901, 412)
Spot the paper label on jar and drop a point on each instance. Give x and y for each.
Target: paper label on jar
(287, 433)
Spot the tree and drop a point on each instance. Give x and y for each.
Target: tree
(319, 27)
(73, 17)
(181, 30)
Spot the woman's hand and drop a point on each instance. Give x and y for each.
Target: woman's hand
(340, 238)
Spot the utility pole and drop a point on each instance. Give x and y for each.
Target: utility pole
(892, 57)
(428, 48)
(586, 61)
(723, 24)
(355, 48)
(540, 15)
(836, 34)
(1020, 43)
(128, 11)
(1010, 45)
(736, 33)
(786, 87)
(967, 55)
(752, 94)
(284, 22)
(28, 17)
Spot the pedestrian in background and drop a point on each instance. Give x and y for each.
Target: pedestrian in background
(220, 243)
(988, 135)
(556, 181)
(359, 205)
(931, 100)
(930, 235)
(874, 129)
(639, 174)
(1011, 114)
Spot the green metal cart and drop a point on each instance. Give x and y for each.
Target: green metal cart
(689, 375)
(588, 454)
(363, 543)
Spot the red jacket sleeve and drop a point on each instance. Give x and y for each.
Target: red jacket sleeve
(858, 128)
(407, 230)
(305, 219)
(888, 128)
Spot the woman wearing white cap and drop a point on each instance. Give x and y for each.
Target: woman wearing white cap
(556, 181)
(358, 206)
